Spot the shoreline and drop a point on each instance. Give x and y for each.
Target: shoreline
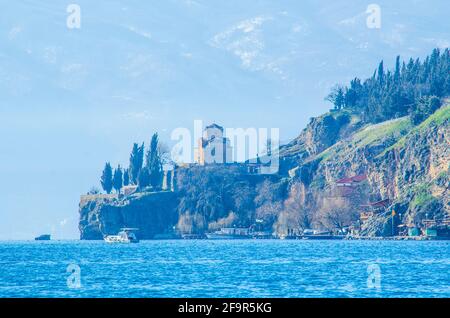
(415, 239)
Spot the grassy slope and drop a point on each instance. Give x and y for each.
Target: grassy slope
(400, 129)
(395, 128)
(370, 134)
(437, 118)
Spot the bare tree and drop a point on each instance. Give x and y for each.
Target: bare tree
(164, 152)
(191, 223)
(295, 213)
(336, 213)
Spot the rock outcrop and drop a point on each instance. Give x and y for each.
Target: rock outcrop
(405, 164)
(152, 213)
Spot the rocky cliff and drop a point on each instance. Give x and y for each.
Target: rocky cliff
(152, 213)
(405, 164)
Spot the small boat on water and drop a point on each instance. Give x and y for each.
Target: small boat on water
(126, 235)
(43, 237)
(192, 236)
(229, 234)
(322, 237)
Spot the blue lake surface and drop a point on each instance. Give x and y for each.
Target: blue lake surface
(247, 268)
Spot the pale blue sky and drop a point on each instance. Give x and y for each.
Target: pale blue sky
(72, 99)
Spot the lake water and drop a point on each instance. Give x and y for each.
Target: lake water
(247, 268)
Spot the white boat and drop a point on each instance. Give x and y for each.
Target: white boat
(125, 235)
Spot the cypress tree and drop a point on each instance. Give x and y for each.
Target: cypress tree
(397, 69)
(143, 179)
(118, 179)
(136, 161)
(380, 73)
(126, 178)
(107, 178)
(154, 163)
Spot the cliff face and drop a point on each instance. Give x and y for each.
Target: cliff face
(321, 133)
(405, 164)
(152, 213)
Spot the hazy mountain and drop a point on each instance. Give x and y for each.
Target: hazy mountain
(69, 98)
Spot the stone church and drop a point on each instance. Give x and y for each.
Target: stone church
(213, 147)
